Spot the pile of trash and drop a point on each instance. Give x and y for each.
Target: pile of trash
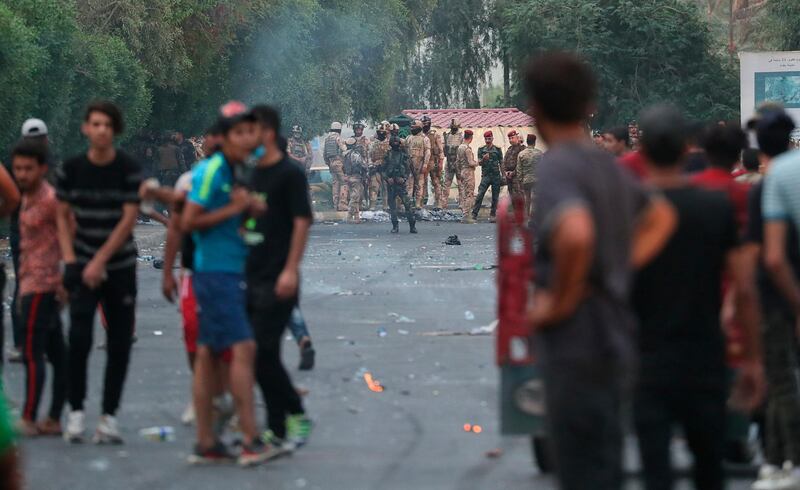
(421, 215)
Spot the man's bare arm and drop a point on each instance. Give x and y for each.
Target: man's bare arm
(572, 242)
(298, 242)
(653, 231)
(195, 217)
(8, 192)
(65, 233)
(174, 237)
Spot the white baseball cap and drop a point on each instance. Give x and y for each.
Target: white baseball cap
(34, 127)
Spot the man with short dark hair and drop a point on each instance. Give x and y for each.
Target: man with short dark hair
(490, 158)
(277, 241)
(677, 297)
(593, 225)
(40, 289)
(98, 195)
(617, 141)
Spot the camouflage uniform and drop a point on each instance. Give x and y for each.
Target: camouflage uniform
(377, 151)
(355, 169)
(466, 163)
(527, 161)
(510, 170)
(490, 177)
(396, 171)
(418, 147)
(300, 153)
(332, 152)
(451, 143)
(435, 168)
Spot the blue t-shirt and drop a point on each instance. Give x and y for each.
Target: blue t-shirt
(781, 201)
(221, 248)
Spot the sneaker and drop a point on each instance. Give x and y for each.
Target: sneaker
(298, 429)
(107, 431)
(216, 454)
(773, 478)
(281, 446)
(76, 426)
(224, 410)
(14, 355)
(307, 354)
(187, 418)
(257, 452)
(27, 428)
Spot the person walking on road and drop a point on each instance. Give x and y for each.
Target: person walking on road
(98, 194)
(593, 226)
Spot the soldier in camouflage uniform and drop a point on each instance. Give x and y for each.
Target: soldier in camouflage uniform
(452, 140)
(362, 141)
(510, 165)
(377, 151)
(395, 172)
(418, 147)
(527, 161)
(435, 164)
(490, 158)
(332, 151)
(466, 163)
(299, 150)
(355, 169)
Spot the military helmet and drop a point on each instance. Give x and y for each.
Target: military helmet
(382, 128)
(350, 141)
(336, 126)
(455, 123)
(416, 124)
(297, 129)
(394, 127)
(358, 124)
(426, 120)
(386, 124)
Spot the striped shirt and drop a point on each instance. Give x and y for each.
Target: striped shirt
(97, 195)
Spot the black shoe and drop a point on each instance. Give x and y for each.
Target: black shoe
(413, 229)
(395, 228)
(307, 355)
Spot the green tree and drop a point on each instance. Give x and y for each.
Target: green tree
(778, 25)
(644, 52)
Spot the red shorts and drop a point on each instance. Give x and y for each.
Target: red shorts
(191, 321)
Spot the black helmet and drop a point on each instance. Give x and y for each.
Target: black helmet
(426, 120)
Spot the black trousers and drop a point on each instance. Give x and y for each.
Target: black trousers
(396, 191)
(269, 316)
(117, 298)
(700, 412)
(42, 336)
(486, 182)
(584, 424)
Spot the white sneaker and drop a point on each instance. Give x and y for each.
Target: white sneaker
(188, 415)
(773, 478)
(76, 426)
(107, 431)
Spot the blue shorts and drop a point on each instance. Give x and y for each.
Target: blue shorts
(221, 307)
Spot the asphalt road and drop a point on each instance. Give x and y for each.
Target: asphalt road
(358, 281)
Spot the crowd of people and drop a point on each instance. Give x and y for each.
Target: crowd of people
(667, 275)
(360, 169)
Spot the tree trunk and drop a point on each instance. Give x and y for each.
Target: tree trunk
(506, 79)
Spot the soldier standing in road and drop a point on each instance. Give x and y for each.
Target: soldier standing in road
(452, 141)
(510, 164)
(527, 161)
(466, 163)
(354, 168)
(332, 153)
(418, 147)
(396, 172)
(377, 151)
(362, 145)
(489, 157)
(299, 150)
(434, 168)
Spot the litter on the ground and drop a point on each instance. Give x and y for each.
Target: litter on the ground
(452, 240)
(476, 267)
(158, 434)
(158, 333)
(494, 453)
(372, 383)
(382, 332)
(401, 319)
(469, 316)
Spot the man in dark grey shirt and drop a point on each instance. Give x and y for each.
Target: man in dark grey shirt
(594, 226)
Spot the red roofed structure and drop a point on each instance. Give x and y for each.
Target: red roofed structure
(474, 118)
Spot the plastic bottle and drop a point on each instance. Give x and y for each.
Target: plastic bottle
(158, 434)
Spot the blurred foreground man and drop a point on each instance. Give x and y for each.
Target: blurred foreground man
(683, 378)
(593, 225)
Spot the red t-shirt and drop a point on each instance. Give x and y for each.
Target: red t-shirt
(719, 179)
(634, 163)
(40, 253)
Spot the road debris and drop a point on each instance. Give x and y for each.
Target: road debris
(494, 453)
(452, 240)
(401, 319)
(372, 383)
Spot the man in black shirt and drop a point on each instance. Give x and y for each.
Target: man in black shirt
(277, 240)
(98, 195)
(683, 376)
